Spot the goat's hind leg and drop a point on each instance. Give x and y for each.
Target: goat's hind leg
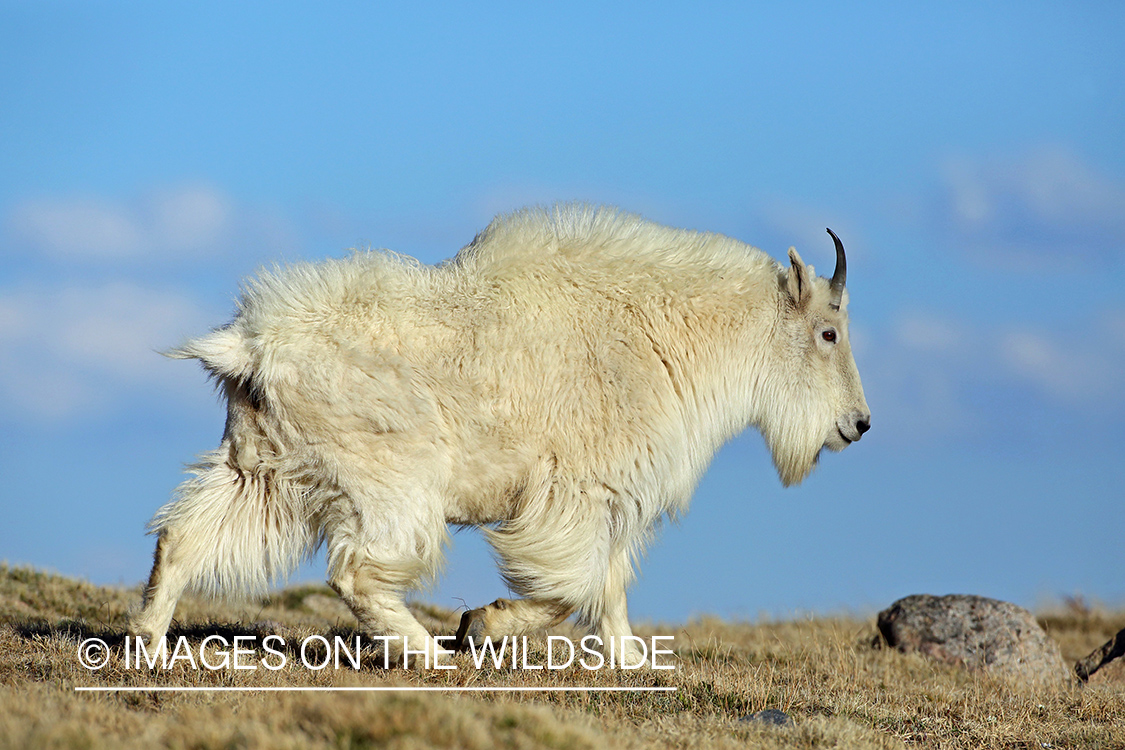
(170, 576)
(226, 531)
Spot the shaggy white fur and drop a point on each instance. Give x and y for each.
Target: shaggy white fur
(562, 382)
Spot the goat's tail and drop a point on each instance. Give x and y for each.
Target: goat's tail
(225, 352)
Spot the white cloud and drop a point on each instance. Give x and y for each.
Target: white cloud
(71, 345)
(78, 227)
(117, 327)
(190, 218)
(912, 376)
(73, 350)
(184, 222)
(1083, 369)
(929, 333)
(1045, 207)
(934, 376)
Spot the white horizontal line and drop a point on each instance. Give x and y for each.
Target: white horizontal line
(427, 688)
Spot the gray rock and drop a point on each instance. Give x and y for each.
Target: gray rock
(975, 633)
(772, 716)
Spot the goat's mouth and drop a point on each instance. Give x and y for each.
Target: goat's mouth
(837, 441)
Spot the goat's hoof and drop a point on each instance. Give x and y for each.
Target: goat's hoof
(471, 627)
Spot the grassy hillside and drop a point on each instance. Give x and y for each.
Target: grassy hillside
(839, 690)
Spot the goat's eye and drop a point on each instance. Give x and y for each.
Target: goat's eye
(829, 336)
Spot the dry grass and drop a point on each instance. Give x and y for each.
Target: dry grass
(839, 690)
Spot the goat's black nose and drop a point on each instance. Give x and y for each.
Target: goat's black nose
(863, 426)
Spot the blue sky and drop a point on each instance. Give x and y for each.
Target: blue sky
(970, 155)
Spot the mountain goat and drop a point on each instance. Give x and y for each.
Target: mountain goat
(562, 383)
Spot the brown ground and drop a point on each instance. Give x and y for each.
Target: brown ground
(838, 689)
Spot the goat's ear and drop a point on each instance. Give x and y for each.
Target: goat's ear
(799, 284)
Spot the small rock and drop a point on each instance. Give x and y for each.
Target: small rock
(770, 716)
(974, 632)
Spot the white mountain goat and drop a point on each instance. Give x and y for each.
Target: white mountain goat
(562, 383)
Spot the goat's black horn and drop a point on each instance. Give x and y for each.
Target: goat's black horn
(840, 275)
